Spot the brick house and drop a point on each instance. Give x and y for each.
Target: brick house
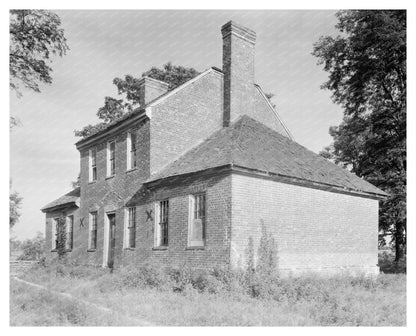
(193, 174)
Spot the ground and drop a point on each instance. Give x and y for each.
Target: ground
(120, 299)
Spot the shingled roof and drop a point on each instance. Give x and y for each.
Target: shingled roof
(252, 145)
(68, 199)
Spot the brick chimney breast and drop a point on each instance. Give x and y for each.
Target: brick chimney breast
(238, 68)
(150, 89)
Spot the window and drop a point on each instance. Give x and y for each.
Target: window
(111, 158)
(92, 239)
(197, 211)
(130, 232)
(69, 232)
(93, 165)
(131, 150)
(55, 233)
(162, 223)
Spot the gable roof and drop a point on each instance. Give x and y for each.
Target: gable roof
(250, 144)
(70, 198)
(144, 111)
(141, 111)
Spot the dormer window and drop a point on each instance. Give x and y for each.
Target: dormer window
(111, 158)
(131, 150)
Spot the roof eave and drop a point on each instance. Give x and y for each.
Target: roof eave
(269, 175)
(59, 206)
(111, 130)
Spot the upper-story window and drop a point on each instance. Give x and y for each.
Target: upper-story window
(131, 150)
(111, 158)
(93, 165)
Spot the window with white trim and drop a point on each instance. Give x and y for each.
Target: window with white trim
(92, 165)
(111, 158)
(131, 150)
(197, 220)
(92, 237)
(162, 223)
(130, 228)
(55, 233)
(69, 228)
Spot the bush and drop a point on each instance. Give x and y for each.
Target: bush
(388, 265)
(33, 249)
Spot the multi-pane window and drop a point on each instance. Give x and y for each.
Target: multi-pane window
(55, 233)
(93, 165)
(111, 158)
(197, 222)
(69, 228)
(130, 236)
(162, 223)
(92, 241)
(131, 150)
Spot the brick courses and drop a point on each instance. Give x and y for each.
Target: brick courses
(315, 229)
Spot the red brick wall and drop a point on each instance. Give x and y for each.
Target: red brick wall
(264, 114)
(218, 220)
(184, 119)
(177, 124)
(315, 230)
(48, 231)
(238, 67)
(110, 194)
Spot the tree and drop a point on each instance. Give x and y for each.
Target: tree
(77, 182)
(34, 36)
(114, 109)
(367, 77)
(33, 249)
(15, 204)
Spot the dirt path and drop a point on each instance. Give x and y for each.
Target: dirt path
(138, 322)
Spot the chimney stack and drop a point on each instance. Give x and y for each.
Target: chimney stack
(238, 68)
(150, 89)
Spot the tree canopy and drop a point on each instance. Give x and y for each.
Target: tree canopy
(367, 77)
(15, 204)
(114, 109)
(35, 35)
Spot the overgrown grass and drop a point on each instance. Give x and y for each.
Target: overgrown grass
(221, 297)
(36, 307)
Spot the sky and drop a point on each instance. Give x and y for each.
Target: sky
(108, 44)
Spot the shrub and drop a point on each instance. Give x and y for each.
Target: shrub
(33, 249)
(141, 277)
(388, 265)
(180, 277)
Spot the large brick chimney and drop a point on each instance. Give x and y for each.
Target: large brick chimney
(238, 68)
(150, 89)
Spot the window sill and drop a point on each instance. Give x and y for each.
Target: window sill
(159, 248)
(129, 248)
(195, 248)
(92, 182)
(131, 170)
(91, 250)
(110, 177)
(56, 250)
